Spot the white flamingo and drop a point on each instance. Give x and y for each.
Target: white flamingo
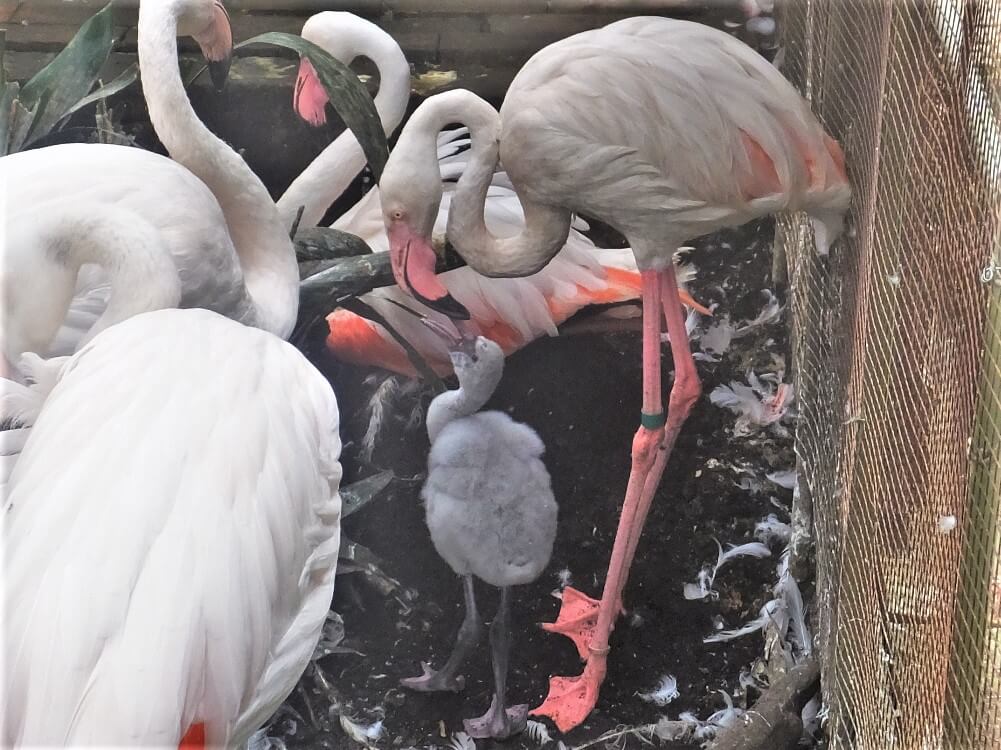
(512, 312)
(169, 562)
(195, 533)
(664, 129)
(72, 208)
(491, 514)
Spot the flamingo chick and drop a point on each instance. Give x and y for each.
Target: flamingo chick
(666, 130)
(491, 514)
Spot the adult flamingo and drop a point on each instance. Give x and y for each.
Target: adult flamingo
(170, 554)
(75, 205)
(664, 129)
(512, 312)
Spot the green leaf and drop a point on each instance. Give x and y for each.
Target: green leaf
(347, 94)
(325, 243)
(125, 79)
(19, 123)
(356, 496)
(66, 80)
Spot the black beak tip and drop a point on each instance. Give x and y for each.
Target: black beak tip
(448, 305)
(219, 72)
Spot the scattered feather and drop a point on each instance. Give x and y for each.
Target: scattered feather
(363, 734)
(260, 740)
(715, 340)
(707, 576)
(785, 478)
(750, 484)
(379, 405)
(537, 732)
(564, 577)
(750, 549)
(674, 730)
(755, 404)
(724, 717)
(704, 585)
(946, 524)
(810, 716)
(769, 314)
(665, 692)
(787, 590)
(771, 529)
(461, 741)
(758, 623)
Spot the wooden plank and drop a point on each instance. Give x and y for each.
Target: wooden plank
(435, 6)
(43, 36)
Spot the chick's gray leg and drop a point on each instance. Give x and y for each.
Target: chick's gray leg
(448, 677)
(500, 721)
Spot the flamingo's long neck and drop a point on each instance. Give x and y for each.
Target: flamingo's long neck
(261, 240)
(546, 227)
(331, 173)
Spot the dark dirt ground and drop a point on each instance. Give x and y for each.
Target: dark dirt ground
(582, 394)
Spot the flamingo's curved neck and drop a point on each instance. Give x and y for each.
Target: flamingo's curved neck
(142, 273)
(332, 171)
(266, 255)
(546, 227)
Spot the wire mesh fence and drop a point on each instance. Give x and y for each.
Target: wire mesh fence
(897, 352)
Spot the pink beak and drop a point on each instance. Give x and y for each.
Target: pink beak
(413, 261)
(310, 98)
(216, 44)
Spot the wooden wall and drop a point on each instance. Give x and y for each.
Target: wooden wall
(473, 44)
(484, 42)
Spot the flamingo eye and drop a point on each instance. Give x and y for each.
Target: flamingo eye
(397, 214)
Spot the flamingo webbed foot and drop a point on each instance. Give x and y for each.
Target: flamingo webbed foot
(571, 699)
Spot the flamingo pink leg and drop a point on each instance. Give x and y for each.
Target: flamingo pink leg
(587, 622)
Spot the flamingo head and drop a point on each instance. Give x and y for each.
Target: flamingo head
(410, 190)
(310, 98)
(344, 37)
(207, 22)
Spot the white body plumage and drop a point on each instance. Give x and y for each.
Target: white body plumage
(170, 561)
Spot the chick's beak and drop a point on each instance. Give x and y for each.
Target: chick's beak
(456, 341)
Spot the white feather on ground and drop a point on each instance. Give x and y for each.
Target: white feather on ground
(755, 404)
(665, 692)
(538, 732)
(715, 340)
(786, 478)
(782, 618)
(688, 726)
(771, 313)
(707, 576)
(771, 529)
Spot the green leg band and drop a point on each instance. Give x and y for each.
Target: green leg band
(653, 421)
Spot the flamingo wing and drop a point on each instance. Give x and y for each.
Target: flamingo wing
(694, 126)
(170, 535)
